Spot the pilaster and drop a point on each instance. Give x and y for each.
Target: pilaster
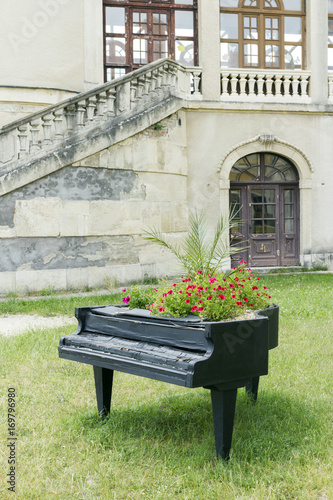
(317, 14)
(209, 47)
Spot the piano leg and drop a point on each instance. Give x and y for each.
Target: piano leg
(252, 388)
(223, 404)
(103, 385)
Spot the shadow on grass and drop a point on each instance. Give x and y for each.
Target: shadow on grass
(270, 430)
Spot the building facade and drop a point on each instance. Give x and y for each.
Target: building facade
(121, 115)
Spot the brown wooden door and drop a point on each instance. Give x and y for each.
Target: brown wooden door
(268, 227)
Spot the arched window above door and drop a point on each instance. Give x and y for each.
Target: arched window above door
(263, 167)
(262, 34)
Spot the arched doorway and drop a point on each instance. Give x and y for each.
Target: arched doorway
(264, 190)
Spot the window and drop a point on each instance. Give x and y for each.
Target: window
(263, 33)
(137, 32)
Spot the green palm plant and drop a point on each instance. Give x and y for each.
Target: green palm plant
(197, 252)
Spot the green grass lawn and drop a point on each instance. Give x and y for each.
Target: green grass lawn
(158, 442)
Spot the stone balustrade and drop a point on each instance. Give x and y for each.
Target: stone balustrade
(271, 85)
(41, 131)
(330, 85)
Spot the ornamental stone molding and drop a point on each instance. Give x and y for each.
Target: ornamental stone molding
(267, 143)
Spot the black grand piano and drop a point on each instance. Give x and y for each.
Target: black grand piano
(219, 356)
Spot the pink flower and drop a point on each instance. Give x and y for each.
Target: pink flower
(189, 294)
(239, 303)
(124, 290)
(180, 291)
(126, 300)
(161, 309)
(209, 298)
(255, 288)
(233, 296)
(245, 300)
(187, 301)
(199, 272)
(201, 308)
(175, 284)
(222, 297)
(200, 302)
(193, 308)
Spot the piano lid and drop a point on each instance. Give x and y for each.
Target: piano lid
(125, 311)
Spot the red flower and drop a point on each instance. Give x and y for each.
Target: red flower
(209, 298)
(180, 291)
(187, 301)
(233, 296)
(200, 302)
(201, 308)
(199, 272)
(222, 297)
(193, 308)
(255, 288)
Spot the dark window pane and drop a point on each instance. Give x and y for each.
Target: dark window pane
(256, 211)
(235, 196)
(256, 196)
(269, 226)
(269, 196)
(269, 211)
(256, 226)
(288, 196)
(289, 211)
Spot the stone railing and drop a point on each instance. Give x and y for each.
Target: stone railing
(272, 85)
(43, 130)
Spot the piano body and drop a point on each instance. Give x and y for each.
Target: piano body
(219, 356)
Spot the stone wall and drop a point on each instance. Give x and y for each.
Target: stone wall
(81, 226)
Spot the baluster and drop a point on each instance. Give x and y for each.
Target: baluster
(294, 85)
(70, 118)
(278, 85)
(23, 143)
(287, 85)
(233, 84)
(252, 82)
(165, 76)
(58, 124)
(34, 131)
(140, 86)
(173, 76)
(133, 87)
(100, 106)
(110, 102)
(242, 84)
(147, 84)
(269, 85)
(47, 124)
(304, 84)
(80, 110)
(153, 82)
(260, 85)
(159, 76)
(91, 106)
(196, 82)
(123, 99)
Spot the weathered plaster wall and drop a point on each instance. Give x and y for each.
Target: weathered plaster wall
(82, 225)
(211, 134)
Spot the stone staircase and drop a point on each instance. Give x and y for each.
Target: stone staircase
(75, 128)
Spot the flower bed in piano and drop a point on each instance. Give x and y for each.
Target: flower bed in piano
(211, 296)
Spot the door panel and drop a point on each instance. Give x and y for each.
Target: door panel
(264, 225)
(268, 226)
